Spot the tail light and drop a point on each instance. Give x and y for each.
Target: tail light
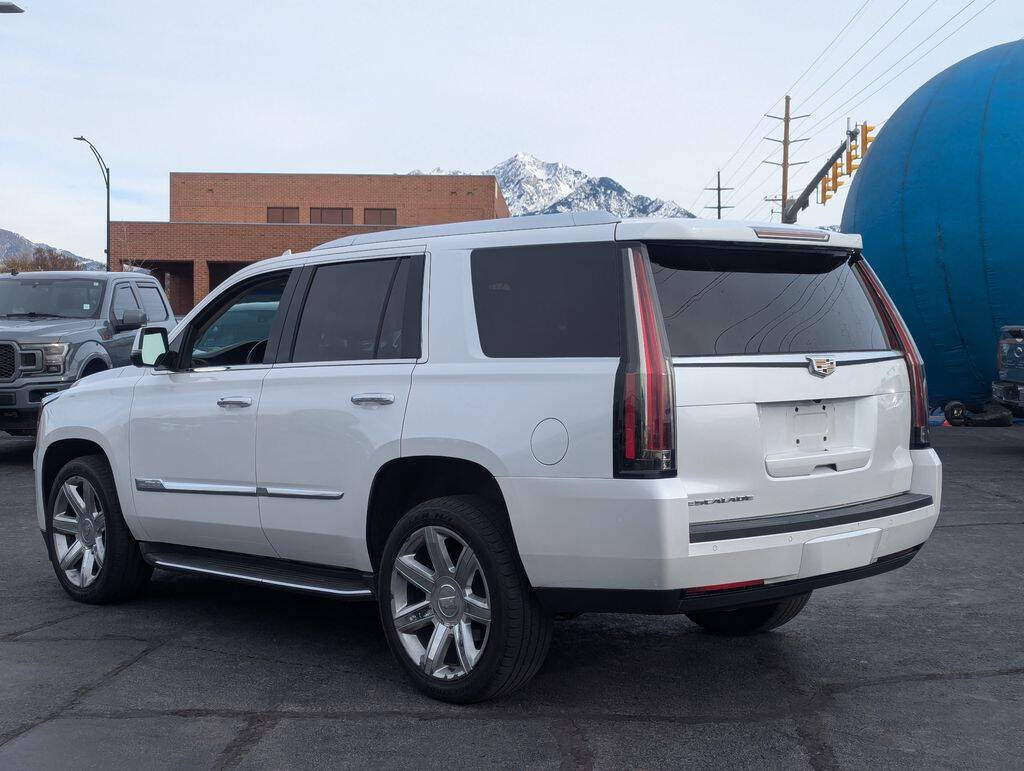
(645, 439)
(900, 339)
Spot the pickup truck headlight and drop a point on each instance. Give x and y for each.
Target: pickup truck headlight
(44, 359)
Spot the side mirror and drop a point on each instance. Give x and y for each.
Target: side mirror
(150, 346)
(130, 319)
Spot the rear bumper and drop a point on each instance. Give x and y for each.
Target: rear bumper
(634, 537)
(684, 601)
(1009, 394)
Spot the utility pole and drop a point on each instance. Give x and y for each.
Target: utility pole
(786, 141)
(719, 189)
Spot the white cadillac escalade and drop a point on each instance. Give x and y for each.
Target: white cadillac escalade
(482, 425)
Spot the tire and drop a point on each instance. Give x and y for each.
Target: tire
(115, 570)
(750, 620)
(472, 660)
(955, 413)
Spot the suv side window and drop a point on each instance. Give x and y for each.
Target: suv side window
(562, 300)
(123, 300)
(152, 302)
(236, 332)
(362, 310)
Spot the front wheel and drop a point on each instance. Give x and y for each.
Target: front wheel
(93, 553)
(458, 613)
(750, 620)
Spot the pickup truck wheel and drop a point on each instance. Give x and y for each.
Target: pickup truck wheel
(750, 620)
(458, 613)
(94, 555)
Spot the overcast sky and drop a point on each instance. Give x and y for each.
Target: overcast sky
(653, 94)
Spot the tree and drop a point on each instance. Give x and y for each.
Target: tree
(43, 258)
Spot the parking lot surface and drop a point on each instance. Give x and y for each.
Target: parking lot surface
(922, 667)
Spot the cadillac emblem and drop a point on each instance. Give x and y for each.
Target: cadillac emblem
(822, 366)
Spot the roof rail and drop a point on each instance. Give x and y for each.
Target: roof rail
(528, 222)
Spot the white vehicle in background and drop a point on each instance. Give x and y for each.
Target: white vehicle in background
(485, 424)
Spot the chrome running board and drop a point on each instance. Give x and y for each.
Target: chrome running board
(266, 571)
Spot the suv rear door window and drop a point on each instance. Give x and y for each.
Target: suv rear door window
(548, 301)
(344, 317)
(721, 300)
(123, 299)
(152, 303)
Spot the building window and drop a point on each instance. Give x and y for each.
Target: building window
(380, 216)
(282, 214)
(323, 215)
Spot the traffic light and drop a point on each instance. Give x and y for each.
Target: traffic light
(837, 170)
(825, 190)
(865, 138)
(852, 155)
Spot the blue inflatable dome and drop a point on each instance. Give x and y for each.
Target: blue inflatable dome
(939, 200)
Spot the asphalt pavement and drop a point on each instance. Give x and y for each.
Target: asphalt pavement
(922, 667)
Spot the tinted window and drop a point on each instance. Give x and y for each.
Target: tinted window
(152, 303)
(238, 331)
(330, 216)
(400, 330)
(123, 300)
(282, 214)
(731, 300)
(75, 298)
(380, 216)
(342, 312)
(548, 301)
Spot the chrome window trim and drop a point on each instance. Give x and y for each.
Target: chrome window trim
(342, 363)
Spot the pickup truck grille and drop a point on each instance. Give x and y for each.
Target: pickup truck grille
(7, 361)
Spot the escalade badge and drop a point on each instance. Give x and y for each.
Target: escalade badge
(822, 366)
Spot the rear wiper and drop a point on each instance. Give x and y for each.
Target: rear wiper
(35, 315)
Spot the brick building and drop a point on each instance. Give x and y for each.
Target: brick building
(220, 222)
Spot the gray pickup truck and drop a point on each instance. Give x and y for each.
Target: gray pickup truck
(58, 327)
(1008, 390)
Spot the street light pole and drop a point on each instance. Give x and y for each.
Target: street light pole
(106, 180)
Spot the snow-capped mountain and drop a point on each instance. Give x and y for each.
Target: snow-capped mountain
(533, 186)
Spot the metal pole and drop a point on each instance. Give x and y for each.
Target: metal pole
(105, 170)
(785, 154)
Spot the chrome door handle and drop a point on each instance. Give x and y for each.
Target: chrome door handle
(373, 399)
(234, 401)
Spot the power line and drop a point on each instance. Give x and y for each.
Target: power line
(846, 105)
(885, 47)
(858, 50)
(774, 104)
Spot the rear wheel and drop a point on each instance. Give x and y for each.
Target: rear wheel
(751, 620)
(94, 555)
(458, 613)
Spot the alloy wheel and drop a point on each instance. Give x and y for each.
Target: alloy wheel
(79, 531)
(440, 603)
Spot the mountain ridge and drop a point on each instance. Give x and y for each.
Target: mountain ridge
(533, 186)
(16, 245)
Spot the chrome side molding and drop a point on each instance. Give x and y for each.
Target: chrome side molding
(201, 488)
(299, 492)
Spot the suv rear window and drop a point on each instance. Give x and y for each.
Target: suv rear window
(360, 310)
(729, 299)
(548, 301)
